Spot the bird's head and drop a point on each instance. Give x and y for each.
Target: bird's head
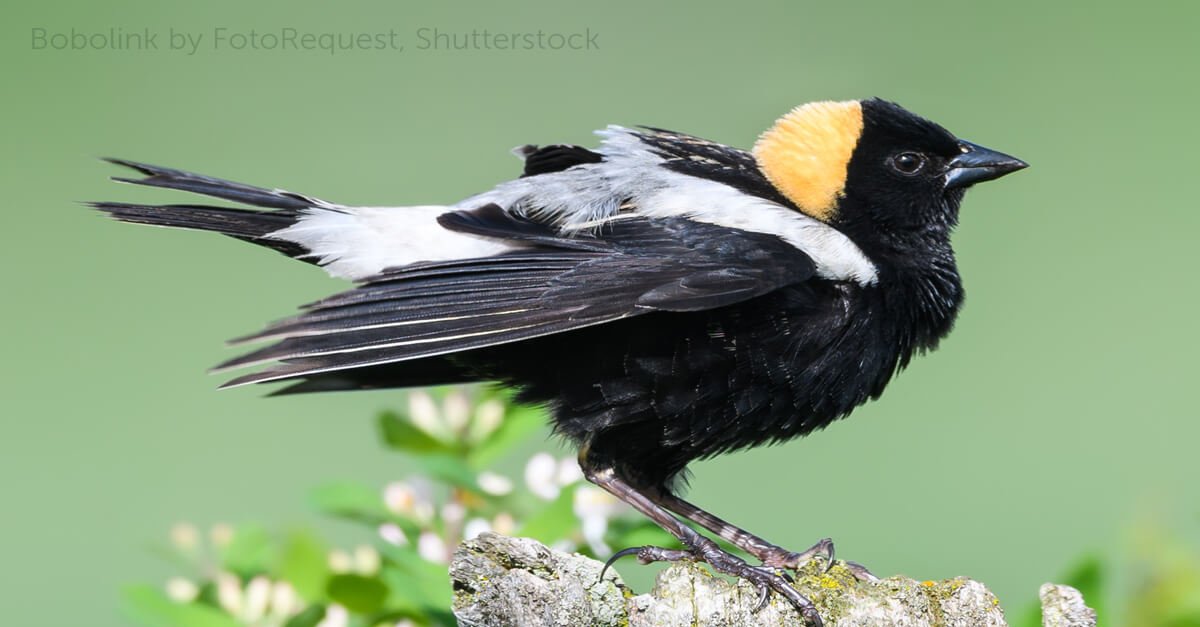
(874, 170)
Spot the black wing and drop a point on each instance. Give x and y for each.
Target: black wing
(557, 284)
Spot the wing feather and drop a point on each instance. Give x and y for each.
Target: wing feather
(431, 309)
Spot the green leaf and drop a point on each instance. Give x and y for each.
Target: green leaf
(452, 470)
(399, 433)
(250, 551)
(350, 500)
(553, 522)
(519, 424)
(304, 565)
(417, 586)
(149, 606)
(1181, 619)
(310, 617)
(357, 593)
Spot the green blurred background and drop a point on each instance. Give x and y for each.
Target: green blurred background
(1057, 416)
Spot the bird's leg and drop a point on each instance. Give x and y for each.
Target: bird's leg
(698, 547)
(769, 554)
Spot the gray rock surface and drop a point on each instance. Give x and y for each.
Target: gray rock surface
(501, 582)
(1063, 606)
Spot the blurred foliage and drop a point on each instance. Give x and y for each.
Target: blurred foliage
(250, 575)
(1160, 588)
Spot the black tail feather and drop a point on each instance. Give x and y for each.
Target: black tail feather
(170, 178)
(244, 224)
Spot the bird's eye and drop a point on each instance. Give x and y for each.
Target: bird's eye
(908, 163)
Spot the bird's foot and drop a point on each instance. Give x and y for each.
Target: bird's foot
(764, 578)
(778, 557)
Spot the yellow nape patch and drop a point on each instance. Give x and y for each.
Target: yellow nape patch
(806, 153)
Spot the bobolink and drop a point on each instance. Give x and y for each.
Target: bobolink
(669, 298)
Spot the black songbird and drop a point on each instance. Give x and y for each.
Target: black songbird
(667, 297)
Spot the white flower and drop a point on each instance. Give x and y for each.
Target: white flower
(594, 502)
(393, 534)
(185, 537)
(335, 616)
(540, 475)
(569, 471)
(474, 527)
(366, 560)
(456, 410)
(494, 484)
(432, 548)
(593, 529)
(413, 497)
(182, 590)
(453, 513)
(221, 535)
(284, 600)
(504, 523)
(488, 416)
(339, 561)
(423, 413)
(399, 497)
(229, 593)
(254, 604)
(594, 507)
(262, 603)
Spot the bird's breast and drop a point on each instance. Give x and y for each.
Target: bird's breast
(702, 383)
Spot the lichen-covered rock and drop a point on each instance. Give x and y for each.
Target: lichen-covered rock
(518, 582)
(1063, 606)
(501, 581)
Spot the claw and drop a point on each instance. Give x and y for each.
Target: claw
(829, 552)
(763, 591)
(633, 550)
(860, 572)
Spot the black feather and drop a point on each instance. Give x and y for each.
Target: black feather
(710, 160)
(170, 178)
(631, 268)
(492, 221)
(244, 224)
(556, 158)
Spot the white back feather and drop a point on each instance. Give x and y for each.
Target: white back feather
(356, 242)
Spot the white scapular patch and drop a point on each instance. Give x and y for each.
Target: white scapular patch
(357, 242)
(587, 195)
